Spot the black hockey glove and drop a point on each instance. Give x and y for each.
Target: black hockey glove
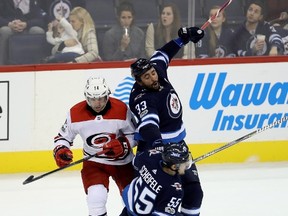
(193, 34)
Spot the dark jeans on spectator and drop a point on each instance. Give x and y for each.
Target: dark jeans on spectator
(61, 57)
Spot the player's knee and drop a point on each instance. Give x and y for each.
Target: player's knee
(192, 200)
(96, 200)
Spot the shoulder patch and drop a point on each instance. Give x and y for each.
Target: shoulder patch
(174, 105)
(177, 186)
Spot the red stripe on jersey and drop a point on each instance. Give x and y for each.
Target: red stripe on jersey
(79, 112)
(118, 110)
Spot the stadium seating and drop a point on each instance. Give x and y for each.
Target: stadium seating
(102, 12)
(27, 49)
(30, 49)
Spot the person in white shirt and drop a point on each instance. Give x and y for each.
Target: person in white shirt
(58, 31)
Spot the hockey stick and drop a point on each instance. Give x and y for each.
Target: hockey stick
(32, 178)
(207, 23)
(247, 136)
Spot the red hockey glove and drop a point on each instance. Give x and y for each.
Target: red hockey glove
(117, 147)
(193, 34)
(62, 155)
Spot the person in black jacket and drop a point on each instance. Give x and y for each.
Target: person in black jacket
(218, 40)
(19, 17)
(255, 37)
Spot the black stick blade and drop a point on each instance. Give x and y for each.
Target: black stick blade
(28, 180)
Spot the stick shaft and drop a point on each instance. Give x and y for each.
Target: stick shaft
(65, 167)
(207, 23)
(247, 136)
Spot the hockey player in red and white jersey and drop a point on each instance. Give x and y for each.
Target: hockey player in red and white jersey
(104, 124)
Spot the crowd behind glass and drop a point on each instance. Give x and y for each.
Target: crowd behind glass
(128, 29)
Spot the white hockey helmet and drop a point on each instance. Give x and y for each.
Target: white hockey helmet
(96, 87)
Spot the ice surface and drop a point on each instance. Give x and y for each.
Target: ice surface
(252, 189)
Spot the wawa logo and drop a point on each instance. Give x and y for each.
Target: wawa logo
(213, 91)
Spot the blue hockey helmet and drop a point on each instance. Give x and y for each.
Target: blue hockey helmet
(175, 153)
(139, 67)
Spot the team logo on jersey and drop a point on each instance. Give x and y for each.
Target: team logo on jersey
(170, 210)
(220, 52)
(173, 105)
(60, 8)
(98, 140)
(177, 186)
(143, 113)
(153, 152)
(64, 126)
(139, 96)
(99, 117)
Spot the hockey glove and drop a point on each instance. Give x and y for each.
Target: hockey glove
(116, 147)
(62, 155)
(193, 34)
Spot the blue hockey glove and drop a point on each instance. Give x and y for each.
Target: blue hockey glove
(193, 34)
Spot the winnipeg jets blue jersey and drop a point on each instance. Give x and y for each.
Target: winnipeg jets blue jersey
(222, 47)
(244, 40)
(153, 192)
(161, 109)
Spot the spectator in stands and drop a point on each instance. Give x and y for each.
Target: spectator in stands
(58, 31)
(124, 41)
(281, 21)
(275, 7)
(284, 17)
(281, 25)
(165, 30)
(83, 23)
(255, 37)
(18, 17)
(218, 40)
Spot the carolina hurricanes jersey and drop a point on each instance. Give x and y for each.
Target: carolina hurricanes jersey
(153, 192)
(96, 129)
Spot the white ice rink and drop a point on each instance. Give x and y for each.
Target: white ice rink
(253, 189)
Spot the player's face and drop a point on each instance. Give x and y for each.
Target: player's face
(98, 104)
(254, 13)
(126, 18)
(149, 79)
